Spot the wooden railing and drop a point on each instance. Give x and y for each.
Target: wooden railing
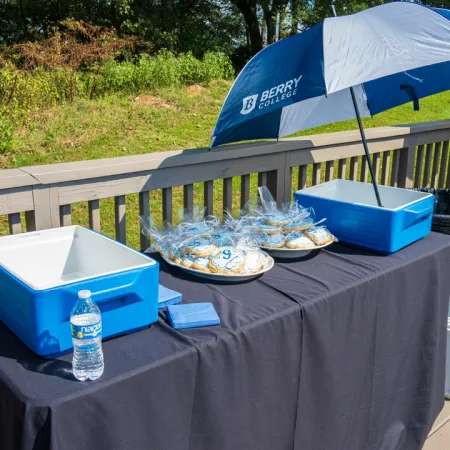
(403, 156)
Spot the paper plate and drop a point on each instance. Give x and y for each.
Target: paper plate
(293, 253)
(234, 278)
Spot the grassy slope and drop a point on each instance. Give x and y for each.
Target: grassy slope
(116, 126)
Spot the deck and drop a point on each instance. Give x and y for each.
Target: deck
(439, 437)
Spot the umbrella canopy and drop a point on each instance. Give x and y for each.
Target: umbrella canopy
(391, 54)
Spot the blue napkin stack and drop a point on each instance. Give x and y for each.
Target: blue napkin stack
(192, 315)
(167, 297)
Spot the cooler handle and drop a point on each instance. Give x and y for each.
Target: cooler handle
(110, 294)
(411, 216)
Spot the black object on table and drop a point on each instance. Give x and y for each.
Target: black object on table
(441, 213)
(344, 351)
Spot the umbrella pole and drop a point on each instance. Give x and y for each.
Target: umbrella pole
(366, 147)
(363, 135)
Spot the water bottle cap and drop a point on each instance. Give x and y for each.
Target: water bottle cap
(84, 294)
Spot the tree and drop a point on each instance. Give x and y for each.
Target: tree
(249, 10)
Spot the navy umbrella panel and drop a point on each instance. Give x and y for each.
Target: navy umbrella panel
(390, 54)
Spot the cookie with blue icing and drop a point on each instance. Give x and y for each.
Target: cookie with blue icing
(164, 248)
(175, 254)
(319, 235)
(221, 238)
(196, 229)
(254, 262)
(188, 260)
(274, 240)
(297, 240)
(227, 260)
(276, 218)
(200, 246)
(202, 263)
(270, 229)
(299, 224)
(175, 251)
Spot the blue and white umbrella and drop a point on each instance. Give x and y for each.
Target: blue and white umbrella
(389, 55)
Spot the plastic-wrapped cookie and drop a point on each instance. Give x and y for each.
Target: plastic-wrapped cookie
(274, 240)
(253, 262)
(175, 252)
(178, 258)
(298, 240)
(200, 246)
(276, 218)
(164, 248)
(270, 229)
(227, 260)
(319, 235)
(221, 238)
(299, 225)
(196, 229)
(202, 263)
(188, 260)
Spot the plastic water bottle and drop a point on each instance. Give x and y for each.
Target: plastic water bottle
(86, 325)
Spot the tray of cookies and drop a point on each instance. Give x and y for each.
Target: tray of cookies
(206, 248)
(296, 244)
(227, 263)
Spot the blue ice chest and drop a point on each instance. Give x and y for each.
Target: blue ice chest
(354, 217)
(42, 272)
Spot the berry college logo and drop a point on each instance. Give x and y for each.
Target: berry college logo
(271, 96)
(248, 104)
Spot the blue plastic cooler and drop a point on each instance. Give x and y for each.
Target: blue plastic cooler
(42, 272)
(354, 217)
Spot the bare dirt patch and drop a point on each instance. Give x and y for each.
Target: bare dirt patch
(194, 89)
(146, 100)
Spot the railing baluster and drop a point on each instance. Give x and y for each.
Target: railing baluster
(342, 168)
(436, 164)
(394, 170)
(316, 174)
(65, 215)
(167, 205)
(227, 193)
(427, 168)
(354, 168)
(208, 193)
(302, 170)
(245, 189)
(29, 221)
(385, 168)
(144, 211)
(376, 165)
(120, 216)
(188, 199)
(262, 179)
(443, 167)
(329, 170)
(364, 169)
(15, 226)
(94, 215)
(419, 167)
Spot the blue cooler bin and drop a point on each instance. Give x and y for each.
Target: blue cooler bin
(42, 272)
(354, 217)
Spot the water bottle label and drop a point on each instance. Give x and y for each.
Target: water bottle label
(86, 331)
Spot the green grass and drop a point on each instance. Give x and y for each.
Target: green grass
(115, 126)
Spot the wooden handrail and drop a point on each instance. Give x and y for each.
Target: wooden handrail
(404, 156)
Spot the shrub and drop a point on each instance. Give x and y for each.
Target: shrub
(163, 70)
(25, 91)
(6, 130)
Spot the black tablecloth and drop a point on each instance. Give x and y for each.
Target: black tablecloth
(343, 351)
